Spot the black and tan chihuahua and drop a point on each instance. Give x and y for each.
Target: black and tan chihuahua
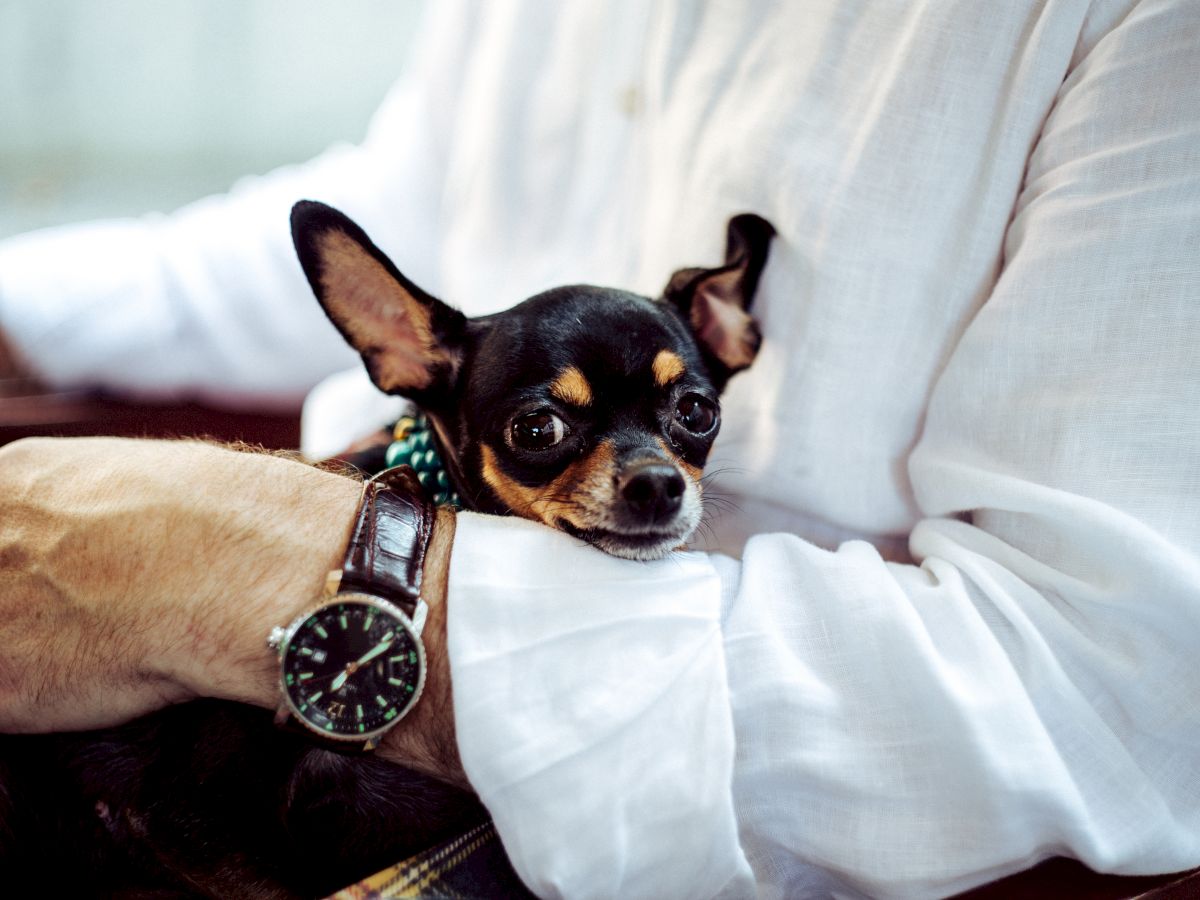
(589, 409)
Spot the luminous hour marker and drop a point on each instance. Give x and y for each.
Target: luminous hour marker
(390, 714)
(370, 620)
(321, 631)
(305, 651)
(343, 622)
(396, 659)
(358, 711)
(380, 700)
(396, 681)
(315, 697)
(304, 676)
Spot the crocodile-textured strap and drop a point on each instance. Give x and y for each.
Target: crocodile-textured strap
(391, 535)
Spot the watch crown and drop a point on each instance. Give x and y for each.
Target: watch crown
(275, 638)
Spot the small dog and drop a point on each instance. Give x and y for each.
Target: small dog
(589, 409)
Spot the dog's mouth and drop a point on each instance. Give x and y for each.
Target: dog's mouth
(641, 545)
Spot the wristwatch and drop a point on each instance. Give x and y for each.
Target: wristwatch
(352, 665)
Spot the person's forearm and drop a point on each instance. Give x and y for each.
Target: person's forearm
(134, 574)
(137, 573)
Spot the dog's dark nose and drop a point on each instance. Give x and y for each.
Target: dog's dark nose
(653, 492)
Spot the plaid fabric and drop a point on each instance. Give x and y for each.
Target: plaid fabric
(469, 867)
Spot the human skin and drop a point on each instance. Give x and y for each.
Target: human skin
(137, 573)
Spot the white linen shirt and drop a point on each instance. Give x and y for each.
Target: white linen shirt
(955, 625)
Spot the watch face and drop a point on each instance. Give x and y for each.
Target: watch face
(352, 668)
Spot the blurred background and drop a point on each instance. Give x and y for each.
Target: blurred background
(123, 107)
(128, 106)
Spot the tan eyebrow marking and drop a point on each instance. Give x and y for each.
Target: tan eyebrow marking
(667, 367)
(571, 387)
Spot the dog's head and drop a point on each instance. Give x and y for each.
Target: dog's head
(589, 409)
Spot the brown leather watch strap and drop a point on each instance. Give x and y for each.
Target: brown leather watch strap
(391, 534)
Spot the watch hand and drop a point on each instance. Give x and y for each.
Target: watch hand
(340, 678)
(374, 652)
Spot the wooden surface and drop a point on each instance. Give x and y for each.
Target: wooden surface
(28, 410)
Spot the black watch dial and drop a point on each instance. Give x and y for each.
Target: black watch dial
(352, 668)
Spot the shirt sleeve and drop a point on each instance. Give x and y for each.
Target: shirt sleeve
(1025, 689)
(209, 300)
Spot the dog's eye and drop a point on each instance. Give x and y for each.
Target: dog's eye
(538, 431)
(695, 413)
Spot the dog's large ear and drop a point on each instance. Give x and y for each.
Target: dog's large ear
(715, 301)
(411, 342)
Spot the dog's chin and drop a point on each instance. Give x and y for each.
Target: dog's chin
(641, 545)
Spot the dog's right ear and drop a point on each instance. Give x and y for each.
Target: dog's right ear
(410, 342)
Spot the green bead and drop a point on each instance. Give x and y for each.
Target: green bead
(442, 481)
(394, 454)
(423, 477)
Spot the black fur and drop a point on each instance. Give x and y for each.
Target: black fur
(209, 799)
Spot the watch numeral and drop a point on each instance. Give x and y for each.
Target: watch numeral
(336, 708)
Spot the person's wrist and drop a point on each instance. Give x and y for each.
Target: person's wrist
(425, 739)
(301, 529)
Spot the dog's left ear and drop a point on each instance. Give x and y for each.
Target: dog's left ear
(410, 341)
(715, 301)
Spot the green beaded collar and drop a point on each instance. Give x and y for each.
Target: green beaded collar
(413, 445)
